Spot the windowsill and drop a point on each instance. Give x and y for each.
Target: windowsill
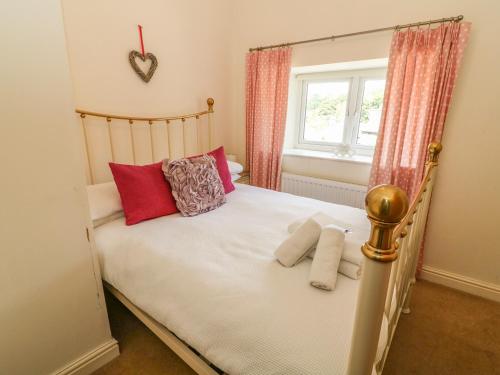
(358, 159)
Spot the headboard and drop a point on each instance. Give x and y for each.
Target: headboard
(142, 140)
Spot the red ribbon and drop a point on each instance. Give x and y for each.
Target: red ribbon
(142, 42)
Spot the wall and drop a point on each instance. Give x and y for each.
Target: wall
(189, 39)
(52, 311)
(320, 167)
(463, 219)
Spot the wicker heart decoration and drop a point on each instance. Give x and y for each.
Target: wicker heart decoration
(149, 56)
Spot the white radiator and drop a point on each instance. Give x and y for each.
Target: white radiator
(324, 190)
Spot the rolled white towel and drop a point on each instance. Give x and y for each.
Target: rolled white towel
(326, 262)
(352, 250)
(298, 244)
(351, 270)
(351, 263)
(322, 219)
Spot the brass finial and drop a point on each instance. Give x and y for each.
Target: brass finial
(386, 206)
(210, 102)
(434, 149)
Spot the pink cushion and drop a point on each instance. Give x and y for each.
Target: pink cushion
(196, 185)
(144, 192)
(222, 168)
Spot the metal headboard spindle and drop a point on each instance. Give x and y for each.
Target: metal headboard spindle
(151, 121)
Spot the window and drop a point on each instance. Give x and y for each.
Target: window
(340, 111)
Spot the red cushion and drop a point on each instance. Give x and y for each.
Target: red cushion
(144, 191)
(222, 168)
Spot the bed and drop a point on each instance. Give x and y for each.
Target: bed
(210, 287)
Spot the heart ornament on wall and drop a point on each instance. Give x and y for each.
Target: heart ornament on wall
(145, 76)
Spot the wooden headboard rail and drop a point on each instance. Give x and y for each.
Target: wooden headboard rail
(92, 148)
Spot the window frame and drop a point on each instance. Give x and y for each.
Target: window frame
(356, 79)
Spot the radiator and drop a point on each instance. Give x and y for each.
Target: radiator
(324, 190)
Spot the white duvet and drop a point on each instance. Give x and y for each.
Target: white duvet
(212, 280)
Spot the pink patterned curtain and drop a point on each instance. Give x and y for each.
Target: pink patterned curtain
(423, 66)
(268, 74)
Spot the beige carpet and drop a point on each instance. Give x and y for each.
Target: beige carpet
(448, 332)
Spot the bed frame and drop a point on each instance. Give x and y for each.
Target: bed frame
(391, 252)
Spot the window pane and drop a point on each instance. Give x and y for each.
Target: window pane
(371, 110)
(325, 111)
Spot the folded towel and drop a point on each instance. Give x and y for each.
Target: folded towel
(351, 270)
(352, 252)
(326, 262)
(322, 219)
(298, 244)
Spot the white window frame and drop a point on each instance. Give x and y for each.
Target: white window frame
(348, 145)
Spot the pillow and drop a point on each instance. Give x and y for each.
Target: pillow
(234, 168)
(196, 184)
(104, 200)
(144, 192)
(235, 177)
(222, 168)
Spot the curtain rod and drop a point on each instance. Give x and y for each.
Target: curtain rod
(333, 37)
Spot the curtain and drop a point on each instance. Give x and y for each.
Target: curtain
(423, 66)
(267, 77)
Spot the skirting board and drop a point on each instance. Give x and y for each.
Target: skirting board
(463, 283)
(91, 361)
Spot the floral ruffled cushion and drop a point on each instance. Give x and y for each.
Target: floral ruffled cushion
(196, 185)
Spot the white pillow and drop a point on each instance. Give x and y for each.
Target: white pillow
(104, 200)
(235, 177)
(234, 167)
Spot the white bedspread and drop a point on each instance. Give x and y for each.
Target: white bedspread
(213, 280)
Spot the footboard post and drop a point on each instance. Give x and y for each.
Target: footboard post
(386, 205)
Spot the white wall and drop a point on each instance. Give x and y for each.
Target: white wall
(50, 312)
(189, 38)
(463, 219)
(201, 48)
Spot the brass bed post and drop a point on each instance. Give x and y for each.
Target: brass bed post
(169, 138)
(386, 206)
(87, 150)
(396, 233)
(210, 103)
(110, 138)
(183, 124)
(131, 135)
(151, 141)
